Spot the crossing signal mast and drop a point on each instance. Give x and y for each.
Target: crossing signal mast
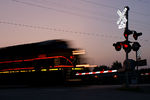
(126, 44)
(123, 24)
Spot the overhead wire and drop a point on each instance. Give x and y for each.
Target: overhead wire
(104, 18)
(57, 29)
(68, 7)
(109, 6)
(63, 30)
(62, 11)
(28, 3)
(142, 1)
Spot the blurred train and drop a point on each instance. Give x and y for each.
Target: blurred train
(42, 62)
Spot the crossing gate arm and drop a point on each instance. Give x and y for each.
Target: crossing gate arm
(97, 72)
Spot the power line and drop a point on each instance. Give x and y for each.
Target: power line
(142, 1)
(98, 4)
(62, 30)
(68, 7)
(62, 11)
(58, 30)
(72, 13)
(86, 10)
(43, 27)
(109, 6)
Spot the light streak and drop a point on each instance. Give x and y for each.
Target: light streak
(36, 59)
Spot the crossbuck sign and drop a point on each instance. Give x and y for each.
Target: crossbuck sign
(122, 19)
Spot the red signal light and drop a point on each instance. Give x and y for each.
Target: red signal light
(117, 46)
(115, 76)
(96, 76)
(71, 57)
(134, 35)
(126, 35)
(125, 45)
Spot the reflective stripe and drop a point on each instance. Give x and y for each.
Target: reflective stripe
(98, 72)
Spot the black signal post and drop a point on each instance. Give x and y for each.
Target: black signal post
(127, 30)
(125, 44)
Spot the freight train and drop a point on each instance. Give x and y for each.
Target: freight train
(41, 62)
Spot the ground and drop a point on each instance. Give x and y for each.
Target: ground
(88, 92)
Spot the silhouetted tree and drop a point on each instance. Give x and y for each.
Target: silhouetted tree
(101, 68)
(116, 65)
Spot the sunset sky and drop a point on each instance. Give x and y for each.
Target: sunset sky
(88, 24)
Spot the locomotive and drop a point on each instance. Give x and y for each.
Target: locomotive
(41, 62)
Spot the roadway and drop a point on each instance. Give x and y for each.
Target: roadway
(88, 92)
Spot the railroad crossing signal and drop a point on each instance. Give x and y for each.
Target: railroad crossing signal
(122, 18)
(123, 23)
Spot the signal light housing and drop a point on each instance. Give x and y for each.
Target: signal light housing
(136, 35)
(127, 33)
(136, 46)
(117, 46)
